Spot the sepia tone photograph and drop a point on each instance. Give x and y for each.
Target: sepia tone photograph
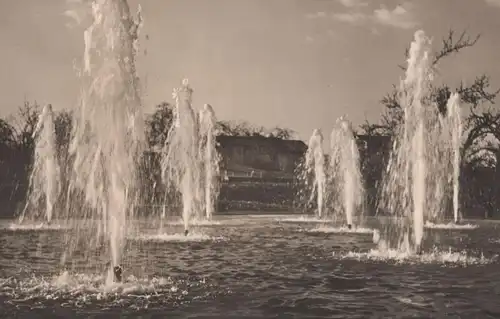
(249, 159)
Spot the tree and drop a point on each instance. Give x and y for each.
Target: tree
(25, 121)
(239, 128)
(7, 146)
(7, 135)
(478, 93)
(243, 128)
(158, 124)
(282, 133)
(63, 122)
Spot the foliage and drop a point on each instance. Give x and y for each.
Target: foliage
(478, 93)
(63, 122)
(25, 121)
(158, 124)
(243, 128)
(20, 133)
(7, 135)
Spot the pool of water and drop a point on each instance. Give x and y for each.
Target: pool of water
(253, 267)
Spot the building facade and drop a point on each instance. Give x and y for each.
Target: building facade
(259, 157)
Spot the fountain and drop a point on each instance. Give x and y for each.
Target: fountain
(409, 187)
(107, 138)
(45, 179)
(345, 180)
(315, 166)
(455, 125)
(180, 163)
(210, 158)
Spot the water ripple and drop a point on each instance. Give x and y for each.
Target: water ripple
(251, 268)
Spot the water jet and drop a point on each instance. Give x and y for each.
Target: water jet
(209, 159)
(412, 188)
(181, 163)
(45, 177)
(314, 168)
(108, 139)
(345, 183)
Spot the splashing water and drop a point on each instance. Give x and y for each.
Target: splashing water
(455, 125)
(326, 229)
(450, 225)
(80, 290)
(193, 237)
(300, 219)
(343, 172)
(315, 166)
(210, 158)
(443, 257)
(181, 161)
(107, 138)
(45, 179)
(412, 187)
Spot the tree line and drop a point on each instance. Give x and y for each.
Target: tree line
(17, 142)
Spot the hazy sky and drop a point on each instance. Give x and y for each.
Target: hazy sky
(294, 63)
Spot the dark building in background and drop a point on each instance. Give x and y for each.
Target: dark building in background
(258, 172)
(259, 157)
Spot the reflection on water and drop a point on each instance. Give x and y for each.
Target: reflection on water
(253, 267)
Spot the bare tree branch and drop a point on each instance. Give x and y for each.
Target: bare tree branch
(450, 44)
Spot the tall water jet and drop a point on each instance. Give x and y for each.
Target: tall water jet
(455, 126)
(315, 165)
(210, 158)
(45, 178)
(108, 135)
(343, 171)
(404, 191)
(180, 163)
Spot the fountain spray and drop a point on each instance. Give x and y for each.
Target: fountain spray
(180, 163)
(315, 165)
(45, 179)
(210, 158)
(404, 188)
(108, 134)
(344, 172)
(455, 125)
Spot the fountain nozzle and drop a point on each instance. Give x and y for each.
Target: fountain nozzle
(117, 271)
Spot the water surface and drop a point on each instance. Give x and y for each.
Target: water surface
(253, 267)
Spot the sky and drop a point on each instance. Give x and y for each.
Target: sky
(291, 63)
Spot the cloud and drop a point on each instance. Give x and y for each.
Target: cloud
(353, 3)
(493, 3)
(79, 13)
(399, 17)
(352, 18)
(317, 15)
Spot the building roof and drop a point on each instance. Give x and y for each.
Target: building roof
(288, 146)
